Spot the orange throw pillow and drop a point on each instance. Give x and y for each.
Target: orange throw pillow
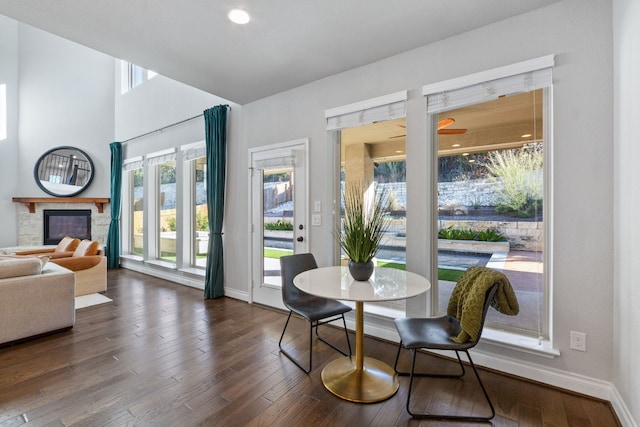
(87, 248)
(67, 244)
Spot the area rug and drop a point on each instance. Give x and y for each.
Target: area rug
(91, 299)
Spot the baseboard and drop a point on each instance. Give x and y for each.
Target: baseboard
(576, 383)
(177, 277)
(621, 409)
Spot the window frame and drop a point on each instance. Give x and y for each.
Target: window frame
(542, 345)
(128, 73)
(185, 208)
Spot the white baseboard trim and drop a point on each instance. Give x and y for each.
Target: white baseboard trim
(621, 409)
(176, 276)
(561, 379)
(236, 294)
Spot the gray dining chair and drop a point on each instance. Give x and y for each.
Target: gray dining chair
(316, 310)
(435, 333)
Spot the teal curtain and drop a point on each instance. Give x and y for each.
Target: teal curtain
(113, 236)
(215, 121)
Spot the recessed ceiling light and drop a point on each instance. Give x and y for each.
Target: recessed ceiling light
(465, 154)
(455, 145)
(239, 16)
(399, 151)
(526, 135)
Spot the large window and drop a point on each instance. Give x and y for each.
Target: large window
(165, 208)
(372, 152)
(491, 155)
(491, 201)
(375, 155)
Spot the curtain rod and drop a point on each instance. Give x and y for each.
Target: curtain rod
(167, 127)
(162, 128)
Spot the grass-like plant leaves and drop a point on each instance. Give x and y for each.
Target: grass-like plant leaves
(364, 223)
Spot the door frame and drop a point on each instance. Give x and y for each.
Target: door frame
(299, 150)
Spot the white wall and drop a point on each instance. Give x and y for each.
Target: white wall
(65, 98)
(626, 321)
(59, 93)
(579, 34)
(9, 146)
(157, 103)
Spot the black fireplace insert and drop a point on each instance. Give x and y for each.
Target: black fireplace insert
(60, 223)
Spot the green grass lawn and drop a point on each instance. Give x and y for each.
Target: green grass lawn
(443, 273)
(276, 253)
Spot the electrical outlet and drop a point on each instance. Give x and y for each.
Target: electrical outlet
(578, 341)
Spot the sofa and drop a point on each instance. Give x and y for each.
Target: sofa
(85, 258)
(90, 266)
(34, 299)
(64, 248)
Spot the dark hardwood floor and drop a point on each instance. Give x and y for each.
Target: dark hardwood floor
(161, 355)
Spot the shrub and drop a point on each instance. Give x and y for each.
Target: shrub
(520, 171)
(488, 235)
(171, 223)
(202, 222)
(278, 225)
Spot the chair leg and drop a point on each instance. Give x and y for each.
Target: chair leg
(286, 353)
(311, 326)
(445, 416)
(346, 334)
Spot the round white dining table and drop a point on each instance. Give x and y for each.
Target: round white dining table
(364, 379)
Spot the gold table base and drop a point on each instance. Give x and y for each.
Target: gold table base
(376, 381)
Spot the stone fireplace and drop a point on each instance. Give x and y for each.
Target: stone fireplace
(31, 218)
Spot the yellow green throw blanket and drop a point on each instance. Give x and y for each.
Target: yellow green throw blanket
(467, 300)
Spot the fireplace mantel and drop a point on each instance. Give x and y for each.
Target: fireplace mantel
(31, 201)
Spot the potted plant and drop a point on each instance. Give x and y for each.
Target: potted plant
(365, 222)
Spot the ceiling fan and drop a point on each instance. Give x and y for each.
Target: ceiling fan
(442, 124)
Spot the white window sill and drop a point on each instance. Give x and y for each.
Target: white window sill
(161, 263)
(132, 257)
(193, 270)
(519, 342)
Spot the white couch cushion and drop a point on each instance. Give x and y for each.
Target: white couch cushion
(15, 267)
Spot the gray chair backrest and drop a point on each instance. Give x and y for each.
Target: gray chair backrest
(290, 267)
(488, 298)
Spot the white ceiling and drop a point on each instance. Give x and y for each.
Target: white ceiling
(287, 44)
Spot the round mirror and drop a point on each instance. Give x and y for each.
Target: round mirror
(63, 171)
